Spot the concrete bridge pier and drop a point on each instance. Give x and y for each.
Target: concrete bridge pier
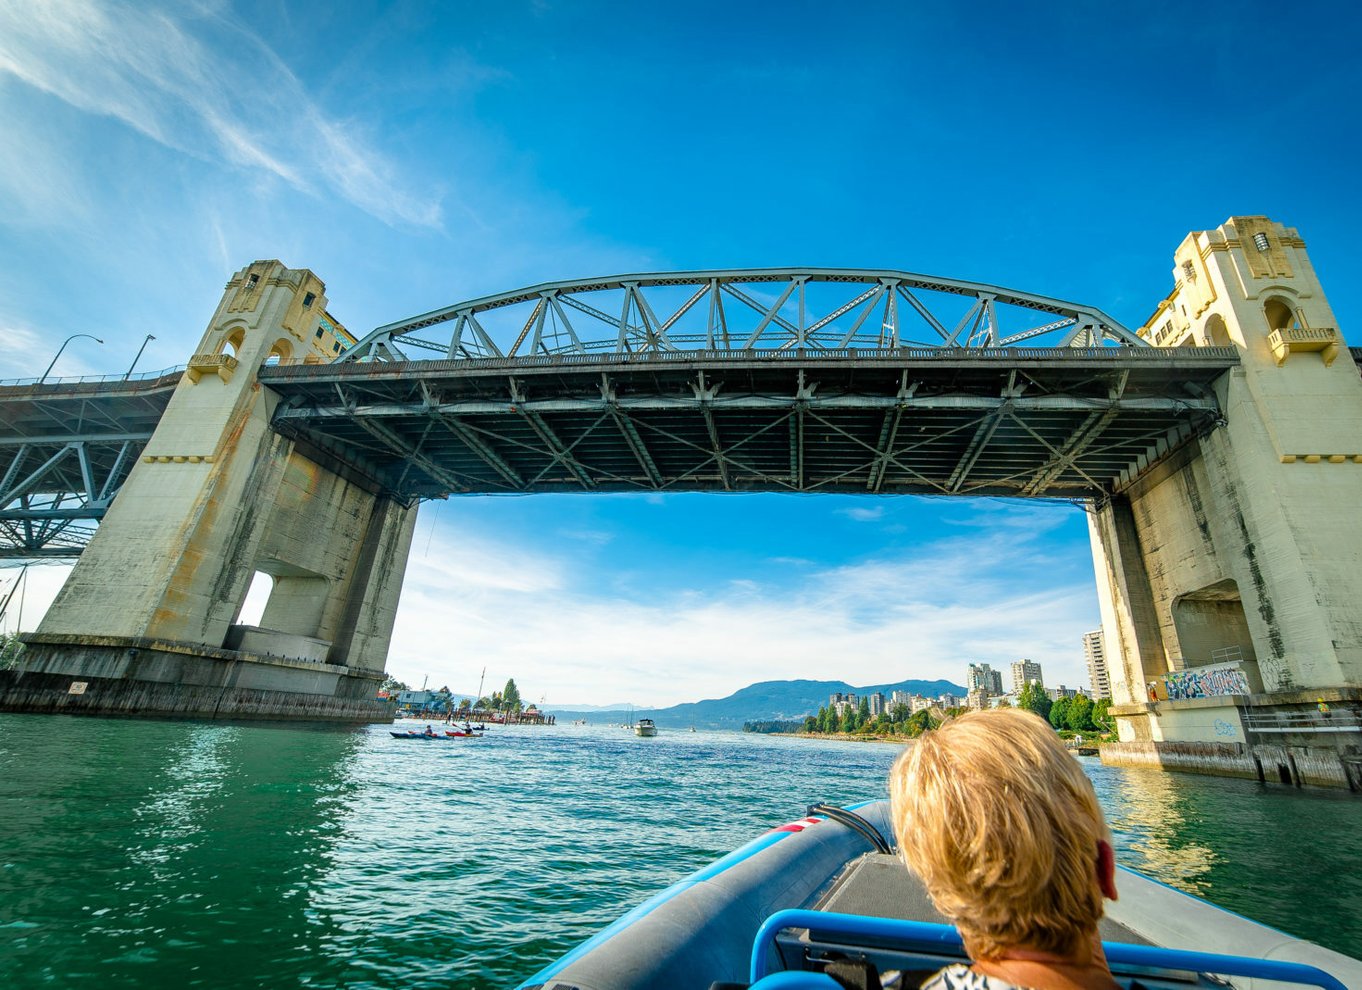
(1230, 573)
(149, 620)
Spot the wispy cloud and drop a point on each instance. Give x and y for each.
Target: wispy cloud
(195, 80)
(863, 514)
(563, 635)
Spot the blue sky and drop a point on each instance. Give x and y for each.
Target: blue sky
(413, 155)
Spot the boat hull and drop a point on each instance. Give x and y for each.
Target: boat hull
(701, 929)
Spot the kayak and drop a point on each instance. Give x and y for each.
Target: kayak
(795, 904)
(415, 735)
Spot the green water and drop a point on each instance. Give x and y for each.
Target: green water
(172, 854)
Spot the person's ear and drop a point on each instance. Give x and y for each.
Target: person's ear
(1106, 869)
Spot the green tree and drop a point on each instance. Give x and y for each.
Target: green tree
(510, 696)
(1033, 698)
(390, 683)
(1080, 714)
(1004, 702)
(1059, 713)
(919, 722)
(901, 712)
(810, 723)
(863, 710)
(1101, 716)
(852, 722)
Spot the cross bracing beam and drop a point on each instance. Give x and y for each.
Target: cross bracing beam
(1046, 424)
(782, 308)
(65, 450)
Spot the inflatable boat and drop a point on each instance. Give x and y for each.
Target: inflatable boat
(824, 902)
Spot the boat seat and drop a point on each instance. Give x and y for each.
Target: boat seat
(917, 949)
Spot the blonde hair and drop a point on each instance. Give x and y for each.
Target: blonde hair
(1002, 825)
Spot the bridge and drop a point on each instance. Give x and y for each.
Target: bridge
(1215, 447)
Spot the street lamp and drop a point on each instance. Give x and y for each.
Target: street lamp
(149, 337)
(62, 348)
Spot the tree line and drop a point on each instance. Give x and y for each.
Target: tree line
(1078, 714)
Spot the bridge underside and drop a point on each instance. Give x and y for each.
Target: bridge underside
(65, 449)
(1049, 423)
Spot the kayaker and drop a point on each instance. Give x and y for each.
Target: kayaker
(1005, 831)
(429, 731)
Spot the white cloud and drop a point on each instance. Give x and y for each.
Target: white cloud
(863, 514)
(198, 82)
(880, 620)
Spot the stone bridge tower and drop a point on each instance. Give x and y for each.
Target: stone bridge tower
(149, 618)
(1230, 574)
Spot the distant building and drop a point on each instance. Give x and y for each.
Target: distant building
(919, 703)
(1023, 673)
(982, 677)
(1060, 692)
(900, 698)
(948, 701)
(977, 698)
(420, 701)
(1095, 652)
(876, 704)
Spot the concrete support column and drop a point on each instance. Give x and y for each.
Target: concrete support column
(1135, 650)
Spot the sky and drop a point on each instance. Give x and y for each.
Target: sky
(413, 155)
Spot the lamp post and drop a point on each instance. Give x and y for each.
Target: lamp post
(149, 337)
(62, 348)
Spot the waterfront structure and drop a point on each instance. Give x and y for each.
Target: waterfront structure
(1218, 449)
(1229, 575)
(1023, 673)
(1097, 665)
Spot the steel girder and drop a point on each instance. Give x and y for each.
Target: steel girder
(1036, 422)
(65, 449)
(812, 309)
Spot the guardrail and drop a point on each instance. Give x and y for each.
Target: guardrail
(1114, 355)
(1343, 721)
(141, 376)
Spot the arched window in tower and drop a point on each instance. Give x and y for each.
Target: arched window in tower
(1216, 334)
(231, 344)
(280, 353)
(1280, 315)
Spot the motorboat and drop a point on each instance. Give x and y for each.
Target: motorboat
(645, 727)
(800, 905)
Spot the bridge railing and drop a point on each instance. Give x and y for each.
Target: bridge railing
(1308, 721)
(1114, 355)
(141, 376)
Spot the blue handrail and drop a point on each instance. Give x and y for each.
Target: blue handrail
(945, 937)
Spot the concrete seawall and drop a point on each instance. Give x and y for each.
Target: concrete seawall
(1285, 764)
(111, 676)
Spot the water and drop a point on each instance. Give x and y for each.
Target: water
(171, 854)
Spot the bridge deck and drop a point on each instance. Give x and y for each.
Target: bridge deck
(65, 448)
(1042, 422)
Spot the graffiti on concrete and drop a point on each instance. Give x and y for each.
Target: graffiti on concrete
(1215, 682)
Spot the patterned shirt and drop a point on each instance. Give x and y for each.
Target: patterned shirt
(959, 977)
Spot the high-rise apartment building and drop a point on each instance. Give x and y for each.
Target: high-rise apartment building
(1094, 651)
(982, 677)
(1023, 673)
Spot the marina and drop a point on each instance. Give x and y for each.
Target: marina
(477, 866)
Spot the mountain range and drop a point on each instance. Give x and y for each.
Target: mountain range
(761, 702)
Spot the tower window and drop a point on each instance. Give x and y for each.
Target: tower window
(1260, 241)
(308, 299)
(319, 333)
(1189, 271)
(253, 280)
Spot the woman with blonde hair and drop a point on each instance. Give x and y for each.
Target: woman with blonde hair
(1004, 829)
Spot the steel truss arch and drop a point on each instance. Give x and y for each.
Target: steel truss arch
(805, 309)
